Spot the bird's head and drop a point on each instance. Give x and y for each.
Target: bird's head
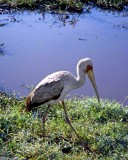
(86, 65)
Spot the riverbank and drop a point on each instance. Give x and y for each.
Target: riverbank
(104, 128)
(67, 5)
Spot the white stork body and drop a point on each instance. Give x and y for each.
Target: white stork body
(54, 88)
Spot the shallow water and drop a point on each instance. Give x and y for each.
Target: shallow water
(37, 44)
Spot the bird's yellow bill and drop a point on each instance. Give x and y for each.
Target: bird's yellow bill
(92, 79)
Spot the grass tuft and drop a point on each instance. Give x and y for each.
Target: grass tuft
(104, 127)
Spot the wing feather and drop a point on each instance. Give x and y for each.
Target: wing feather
(48, 91)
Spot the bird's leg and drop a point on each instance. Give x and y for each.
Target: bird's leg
(68, 120)
(83, 143)
(44, 118)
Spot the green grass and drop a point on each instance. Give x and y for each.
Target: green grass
(104, 127)
(111, 4)
(70, 5)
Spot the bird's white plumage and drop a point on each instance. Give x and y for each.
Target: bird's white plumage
(55, 86)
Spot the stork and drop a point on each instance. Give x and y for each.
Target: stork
(55, 86)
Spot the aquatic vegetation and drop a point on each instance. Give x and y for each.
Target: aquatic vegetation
(2, 49)
(103, 126)
(122, 26)
(70, 5)
(110, 4)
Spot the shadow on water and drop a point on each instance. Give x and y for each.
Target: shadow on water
(39, 43)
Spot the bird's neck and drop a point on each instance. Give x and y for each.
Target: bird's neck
(80, 77)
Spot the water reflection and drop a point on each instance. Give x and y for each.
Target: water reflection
(38, 44)
(62, 18)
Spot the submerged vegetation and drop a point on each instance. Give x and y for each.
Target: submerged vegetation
(1, 49)
(104, 127)
(70, 5)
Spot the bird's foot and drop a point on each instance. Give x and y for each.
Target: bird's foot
(85, 145)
